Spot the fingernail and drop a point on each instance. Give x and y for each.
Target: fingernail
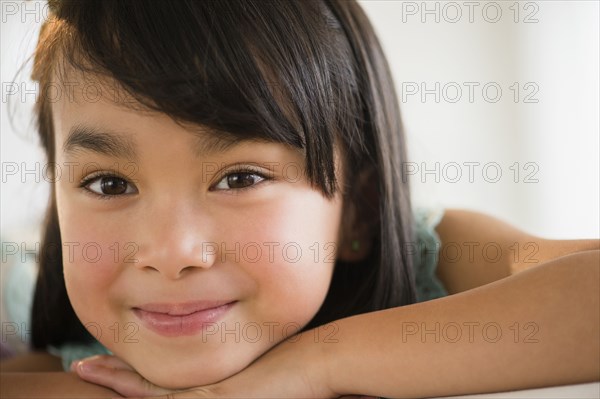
(88, 367)
(73, 365)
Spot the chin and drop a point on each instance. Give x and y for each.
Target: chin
(185, 376)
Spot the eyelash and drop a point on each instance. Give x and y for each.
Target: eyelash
(242, 170)
(236, 170)
(85, 182)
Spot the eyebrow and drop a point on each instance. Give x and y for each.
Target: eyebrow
(113, 144)
(107, 143)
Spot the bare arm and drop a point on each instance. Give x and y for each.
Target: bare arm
(39, 375)
(31, 362)
(478, 249)
(536, 328)
(50, 385)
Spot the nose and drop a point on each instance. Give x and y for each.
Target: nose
(175, 242)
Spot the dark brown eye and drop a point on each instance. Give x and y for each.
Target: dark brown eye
(239, 180)
(113, 185)
(109, 186)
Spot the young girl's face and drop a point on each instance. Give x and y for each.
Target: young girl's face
(159, 222)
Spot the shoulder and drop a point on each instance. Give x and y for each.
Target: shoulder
(477, 249)
(462, 221)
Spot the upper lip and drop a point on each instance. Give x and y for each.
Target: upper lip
(181, 309)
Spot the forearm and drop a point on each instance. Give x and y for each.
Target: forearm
(31, 362)
(50, 385)
(376, 353)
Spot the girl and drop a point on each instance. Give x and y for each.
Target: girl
(231, 219)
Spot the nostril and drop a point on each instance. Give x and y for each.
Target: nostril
(151, 268)
(186, 269)
(174, 273)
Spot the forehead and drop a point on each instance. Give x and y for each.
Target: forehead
(72, 92)
(98, 114)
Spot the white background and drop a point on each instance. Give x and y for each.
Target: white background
(559, 133)
(556, 139)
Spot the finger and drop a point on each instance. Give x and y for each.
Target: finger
(207, 392)
(102, 360)
(196, 393)
(125, 382)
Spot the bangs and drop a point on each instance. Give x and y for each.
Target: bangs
(226, 65)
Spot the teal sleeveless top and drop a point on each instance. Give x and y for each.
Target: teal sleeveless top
(424, 251)
(426, 254)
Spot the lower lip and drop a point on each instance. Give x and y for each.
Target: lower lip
(175, 326)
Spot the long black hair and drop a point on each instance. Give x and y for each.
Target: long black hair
(309, 73)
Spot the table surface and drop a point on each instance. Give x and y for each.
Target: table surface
(578, 391)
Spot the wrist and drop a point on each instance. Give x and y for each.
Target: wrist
(326, 349)
(316, 348)
(346, 371)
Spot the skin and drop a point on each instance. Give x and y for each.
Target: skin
(176, 201)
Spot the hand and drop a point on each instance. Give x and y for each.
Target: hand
(114, 373)
(289, 370)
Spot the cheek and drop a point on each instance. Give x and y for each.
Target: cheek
(90, 253)
(297, 240)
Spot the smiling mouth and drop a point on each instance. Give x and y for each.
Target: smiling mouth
(174, 320)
